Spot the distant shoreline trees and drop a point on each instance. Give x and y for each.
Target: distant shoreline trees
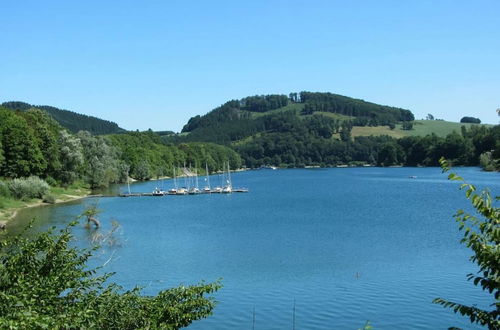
(471, 120)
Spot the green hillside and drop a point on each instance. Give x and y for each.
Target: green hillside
(329, 129)
(71, 120)
(440, 128)
(337, 107)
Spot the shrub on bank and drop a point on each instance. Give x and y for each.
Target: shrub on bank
(4, 189)
(27, 188)
(51, 181)
(49, 198)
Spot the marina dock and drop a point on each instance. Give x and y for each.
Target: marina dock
(236, 190)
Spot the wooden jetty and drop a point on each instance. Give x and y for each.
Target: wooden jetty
(236, 190)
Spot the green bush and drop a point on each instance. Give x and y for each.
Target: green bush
(482, 235)
(45, 284)
(51, 181)
(4, 189)
(27, 188)
(49, 198)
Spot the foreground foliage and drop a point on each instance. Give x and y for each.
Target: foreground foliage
(45, 283)
(482, 236)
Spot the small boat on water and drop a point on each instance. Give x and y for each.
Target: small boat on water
(158, 192)
(267, 167)
(194, 191)
(216, 190)
(182, 191)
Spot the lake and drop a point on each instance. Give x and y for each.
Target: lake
(342, 245)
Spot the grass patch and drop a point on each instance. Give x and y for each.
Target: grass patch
(247, 139)
(67, 193)
(9, 202)
(332, 115)
(9, 205)
(377, 131)
(295, 107)
(420, 128)
(439, 127)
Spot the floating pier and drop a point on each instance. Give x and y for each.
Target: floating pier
(236, 190)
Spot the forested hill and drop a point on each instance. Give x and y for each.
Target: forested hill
(238, 119)
(325, 129)
(71, 120)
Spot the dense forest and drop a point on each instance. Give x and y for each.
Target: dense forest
(239, 112)
(299, 145)
(32, 143)
(366, 113)
(73, 121)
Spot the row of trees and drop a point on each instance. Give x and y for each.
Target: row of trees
(148, 156)
(367, 113)
(471, 120)
(73, 121)
(263, 103)
(34, 144)
(302, 146)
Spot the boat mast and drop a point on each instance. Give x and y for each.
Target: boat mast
(229, 175)
(208, 177)
(128, 181)
(196, 175)
(175, 180)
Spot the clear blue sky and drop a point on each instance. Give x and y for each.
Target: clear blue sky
(154, 64)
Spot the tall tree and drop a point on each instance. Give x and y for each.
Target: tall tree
(71, 157)
(46, 131)
(22, 154)
(101, 165)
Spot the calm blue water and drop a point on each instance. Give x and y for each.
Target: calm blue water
(347, 244)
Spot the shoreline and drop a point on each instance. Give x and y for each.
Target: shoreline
(8, 214)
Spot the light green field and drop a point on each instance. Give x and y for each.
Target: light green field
(377, 131)
(438, 127)
(420, 128)
(332, 115)
(295, 107)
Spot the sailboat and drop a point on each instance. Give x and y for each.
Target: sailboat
(173, 191)
(228, 188)
(183, 190)
(195, 190)
(207, 189)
